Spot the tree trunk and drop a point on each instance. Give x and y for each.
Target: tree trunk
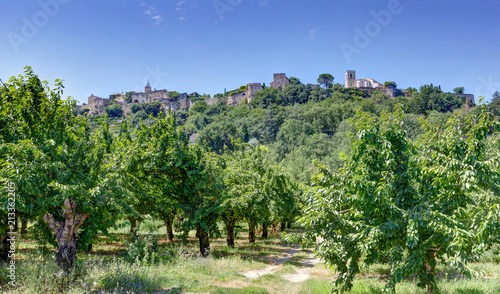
(289, 225)
(230, 233)
(265, 232)
(66, 233)
(204, 242)
(430, 271)
(4, 243)
(197, 232)
(24, 227)
(169, 221)
(283, 226)
(274, 231)
(251, 233)
(17, 222)
(89, 248)
(133, 225)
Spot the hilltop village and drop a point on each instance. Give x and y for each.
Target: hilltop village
(174, 101)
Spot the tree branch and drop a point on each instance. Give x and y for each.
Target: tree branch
(54, 225)
(80, 219)
(344, 211)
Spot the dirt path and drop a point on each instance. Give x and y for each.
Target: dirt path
(300, 275)
(302, 266)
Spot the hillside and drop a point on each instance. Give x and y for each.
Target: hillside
(300, 123)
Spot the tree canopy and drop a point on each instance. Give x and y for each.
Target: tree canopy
(325, 80)
(56, 161)
(412, 205)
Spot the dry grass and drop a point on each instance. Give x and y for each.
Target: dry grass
(182, 270)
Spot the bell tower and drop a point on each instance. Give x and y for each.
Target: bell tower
(147, 89)
(350, 79)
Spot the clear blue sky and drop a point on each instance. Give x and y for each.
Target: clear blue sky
(108, 46)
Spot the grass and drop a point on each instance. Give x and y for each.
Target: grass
(375, 286)
(246, 290)
(180, 269)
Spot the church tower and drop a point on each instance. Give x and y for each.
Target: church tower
(350, 79)
(147, 89)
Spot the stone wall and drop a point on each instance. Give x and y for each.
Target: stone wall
(213, 100)
(97, 104)
(280, 80)
(469, 97)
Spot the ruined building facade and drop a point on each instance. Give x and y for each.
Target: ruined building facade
(97, 104)
(280, 80)
(240, 96)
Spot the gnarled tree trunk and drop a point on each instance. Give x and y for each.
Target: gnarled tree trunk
(204, 241)
(169, 221)
(66, 233)
(230, 233)
(251, 233)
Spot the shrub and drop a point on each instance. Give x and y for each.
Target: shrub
(143, 249)
(136, 107)
(114, 110)
(152, 108)
(138, 117)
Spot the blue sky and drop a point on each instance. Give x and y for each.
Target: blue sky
(108, 46)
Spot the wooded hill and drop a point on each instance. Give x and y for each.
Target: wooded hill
(302, 123)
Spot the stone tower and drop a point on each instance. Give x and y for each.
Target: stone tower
(280, 80)
(147, 89)
(350, 79)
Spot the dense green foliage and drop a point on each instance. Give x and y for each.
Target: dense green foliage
(301, 123)
(55, 160)
(114, 110)
(411, 204)
(410, 189)
(152, 108)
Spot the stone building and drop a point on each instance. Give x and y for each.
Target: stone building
(184, 102)
(149, 95)
(280, 80)
(352, 82)
(97, 104)
(118, 98)
(248, 94)
(468, 97)
(253, 88)
(368, 84)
